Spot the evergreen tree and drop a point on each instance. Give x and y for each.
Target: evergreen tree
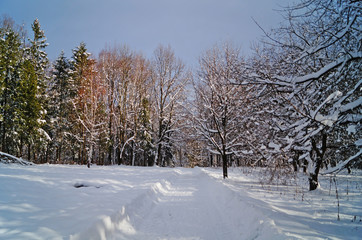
(10, 67)
(145, 134)
(28, 108)
(33, 93)
(60, 93)
(80, 66)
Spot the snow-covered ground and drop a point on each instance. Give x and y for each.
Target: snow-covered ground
(118, 202)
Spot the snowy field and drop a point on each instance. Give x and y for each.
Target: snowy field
(118, 202)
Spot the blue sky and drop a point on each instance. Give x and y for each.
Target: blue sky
(189, 26)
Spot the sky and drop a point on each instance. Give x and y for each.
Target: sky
(190, 27)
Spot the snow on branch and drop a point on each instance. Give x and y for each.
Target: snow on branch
(343, 164)
(330, 119)
(330, 41)
(316, 75)
(7, 158)
(352, 105)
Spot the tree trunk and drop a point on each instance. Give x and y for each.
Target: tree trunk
(133, 154)
(144, 158)
(313, 177)
(90, 153)
(4, 144)
(110, 147)
(20, 154)
(118, 154)
(29, 152)
(159, 155)
(84, 151)
(313, 181)
(225, 165)
(180, 156)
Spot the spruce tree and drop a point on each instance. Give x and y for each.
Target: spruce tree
(60, 106)
(145, 134)
(10, 68)
(28, 108)
(80, 67)
(34, 93)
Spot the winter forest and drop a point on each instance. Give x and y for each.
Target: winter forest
(294, 104)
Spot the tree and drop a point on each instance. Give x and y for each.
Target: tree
(82, 75)
(123, 88)
(94, 109)
(139, 120)
(221, 106)
(30, 110)
(34, 99)
(169, 77)
(61, 92)
(22, 100)
(115, 68)
(10, 65)
(146, 146)
(317, 78)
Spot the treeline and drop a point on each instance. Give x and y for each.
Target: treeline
(295, 103)
(23, 81)
(119, 108)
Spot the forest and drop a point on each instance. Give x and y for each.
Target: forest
(295, 103)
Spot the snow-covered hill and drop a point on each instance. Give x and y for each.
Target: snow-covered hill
(74, 202)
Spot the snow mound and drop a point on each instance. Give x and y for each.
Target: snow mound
(10, 159)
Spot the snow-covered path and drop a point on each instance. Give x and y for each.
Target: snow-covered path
(73, 202)
(188, 205)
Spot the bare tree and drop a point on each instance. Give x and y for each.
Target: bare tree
(108, 65)
(317, 77)
(220, 105)
(169, 77)
(139, 92)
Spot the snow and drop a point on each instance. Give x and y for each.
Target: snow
(343, 164)
(7, 158)
(328, 120)
(352, 105)
(275, 146)
(320, 72)
(351, 129)
(120, 202)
